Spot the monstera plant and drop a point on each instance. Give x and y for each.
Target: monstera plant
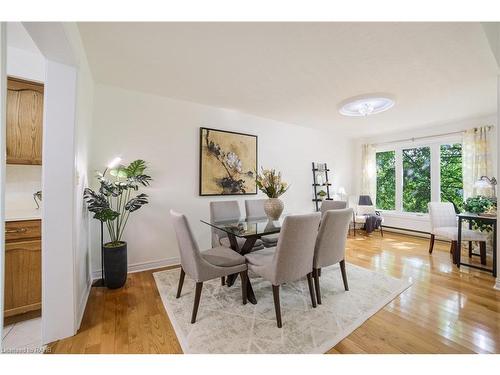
(118, 196)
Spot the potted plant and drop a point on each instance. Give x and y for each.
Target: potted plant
(270, 183)
(322, 195)
(112, 204)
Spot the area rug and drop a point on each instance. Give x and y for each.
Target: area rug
(225, 325)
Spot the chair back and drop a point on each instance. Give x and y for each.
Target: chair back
(222, 211)
(332, 236)
(365, 210)
(441, 214)
(191, 260)
(295, 249)
(254, 208)
(332, 205)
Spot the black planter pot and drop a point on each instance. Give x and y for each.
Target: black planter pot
(115, 264)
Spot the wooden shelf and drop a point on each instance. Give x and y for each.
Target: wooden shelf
(324, 177)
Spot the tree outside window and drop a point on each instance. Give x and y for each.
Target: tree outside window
(416, 179)
(452, 188)
(386, 180)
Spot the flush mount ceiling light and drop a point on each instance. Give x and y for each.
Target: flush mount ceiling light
(365, 106)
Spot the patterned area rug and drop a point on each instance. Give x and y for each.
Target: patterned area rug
(225, 325)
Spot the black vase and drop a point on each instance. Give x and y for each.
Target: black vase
(115, 264)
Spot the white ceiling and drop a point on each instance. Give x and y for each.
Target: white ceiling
(18, 37)
(299, 72)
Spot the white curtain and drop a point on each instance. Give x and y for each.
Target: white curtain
(368, 172)
(476, 158)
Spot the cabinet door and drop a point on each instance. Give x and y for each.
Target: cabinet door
(24, 122)
(23, 277)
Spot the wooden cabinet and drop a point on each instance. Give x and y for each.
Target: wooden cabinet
(23, 267)
(24, 122)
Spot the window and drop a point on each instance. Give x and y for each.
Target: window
(451, 174)
(409, 177)
(386, 180)
(416, 179)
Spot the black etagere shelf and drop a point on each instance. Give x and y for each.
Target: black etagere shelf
(320, 182)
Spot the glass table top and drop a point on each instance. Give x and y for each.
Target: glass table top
(248, 228)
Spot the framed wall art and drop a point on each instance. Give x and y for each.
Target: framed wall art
(228, 162)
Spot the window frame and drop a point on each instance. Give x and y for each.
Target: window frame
(435, 147)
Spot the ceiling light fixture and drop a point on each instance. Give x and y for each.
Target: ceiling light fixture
(365, 106)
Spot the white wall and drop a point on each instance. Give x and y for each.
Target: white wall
(3, 94)
(21, 181)
(419, 222)
(25, 64)
(83, 124)
(165, 133)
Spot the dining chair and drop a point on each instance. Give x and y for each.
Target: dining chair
(330, 245)
(443, 220)
(332, 205)
(227, 211)
(291, 260)
(254, 209)
(205, 265)
(362, 210)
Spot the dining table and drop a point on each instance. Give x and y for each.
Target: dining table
(250, 230)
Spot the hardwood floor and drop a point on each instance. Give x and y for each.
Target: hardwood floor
(444, 311)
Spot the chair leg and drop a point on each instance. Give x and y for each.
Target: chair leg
(431, 244)
(316, 285)
(381, 232)
(344, 274)
(277, 308)
(244, 283)
(482, 252)
(223, 280)
(311, 288)
(470, 249)
(453, 250)
(181, 282)
(197, 296)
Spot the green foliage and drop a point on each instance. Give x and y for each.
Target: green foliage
(112, 204)
(416, 179)
(451, 175)
(386, 180)
(479, 204)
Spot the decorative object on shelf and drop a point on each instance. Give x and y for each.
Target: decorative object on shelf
(486, 182)
(227, 162)
(112, 205)
(320, 181)
(270, 183)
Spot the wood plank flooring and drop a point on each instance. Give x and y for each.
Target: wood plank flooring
(445, 310)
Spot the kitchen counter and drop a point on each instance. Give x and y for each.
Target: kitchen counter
(23, 214)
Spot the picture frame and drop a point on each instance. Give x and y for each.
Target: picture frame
(228, 163)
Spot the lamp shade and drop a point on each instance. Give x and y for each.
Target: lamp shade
(365, 200)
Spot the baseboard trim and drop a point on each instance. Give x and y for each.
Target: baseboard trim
(144, 266)
(497, 284)
(82, 306)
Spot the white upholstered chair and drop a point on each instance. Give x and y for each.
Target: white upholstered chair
(332, 205)
(291, 260)
(361, 210)
(254, 209)
(205, 265)
(225, 211)
(444, 224)
(330, 244)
